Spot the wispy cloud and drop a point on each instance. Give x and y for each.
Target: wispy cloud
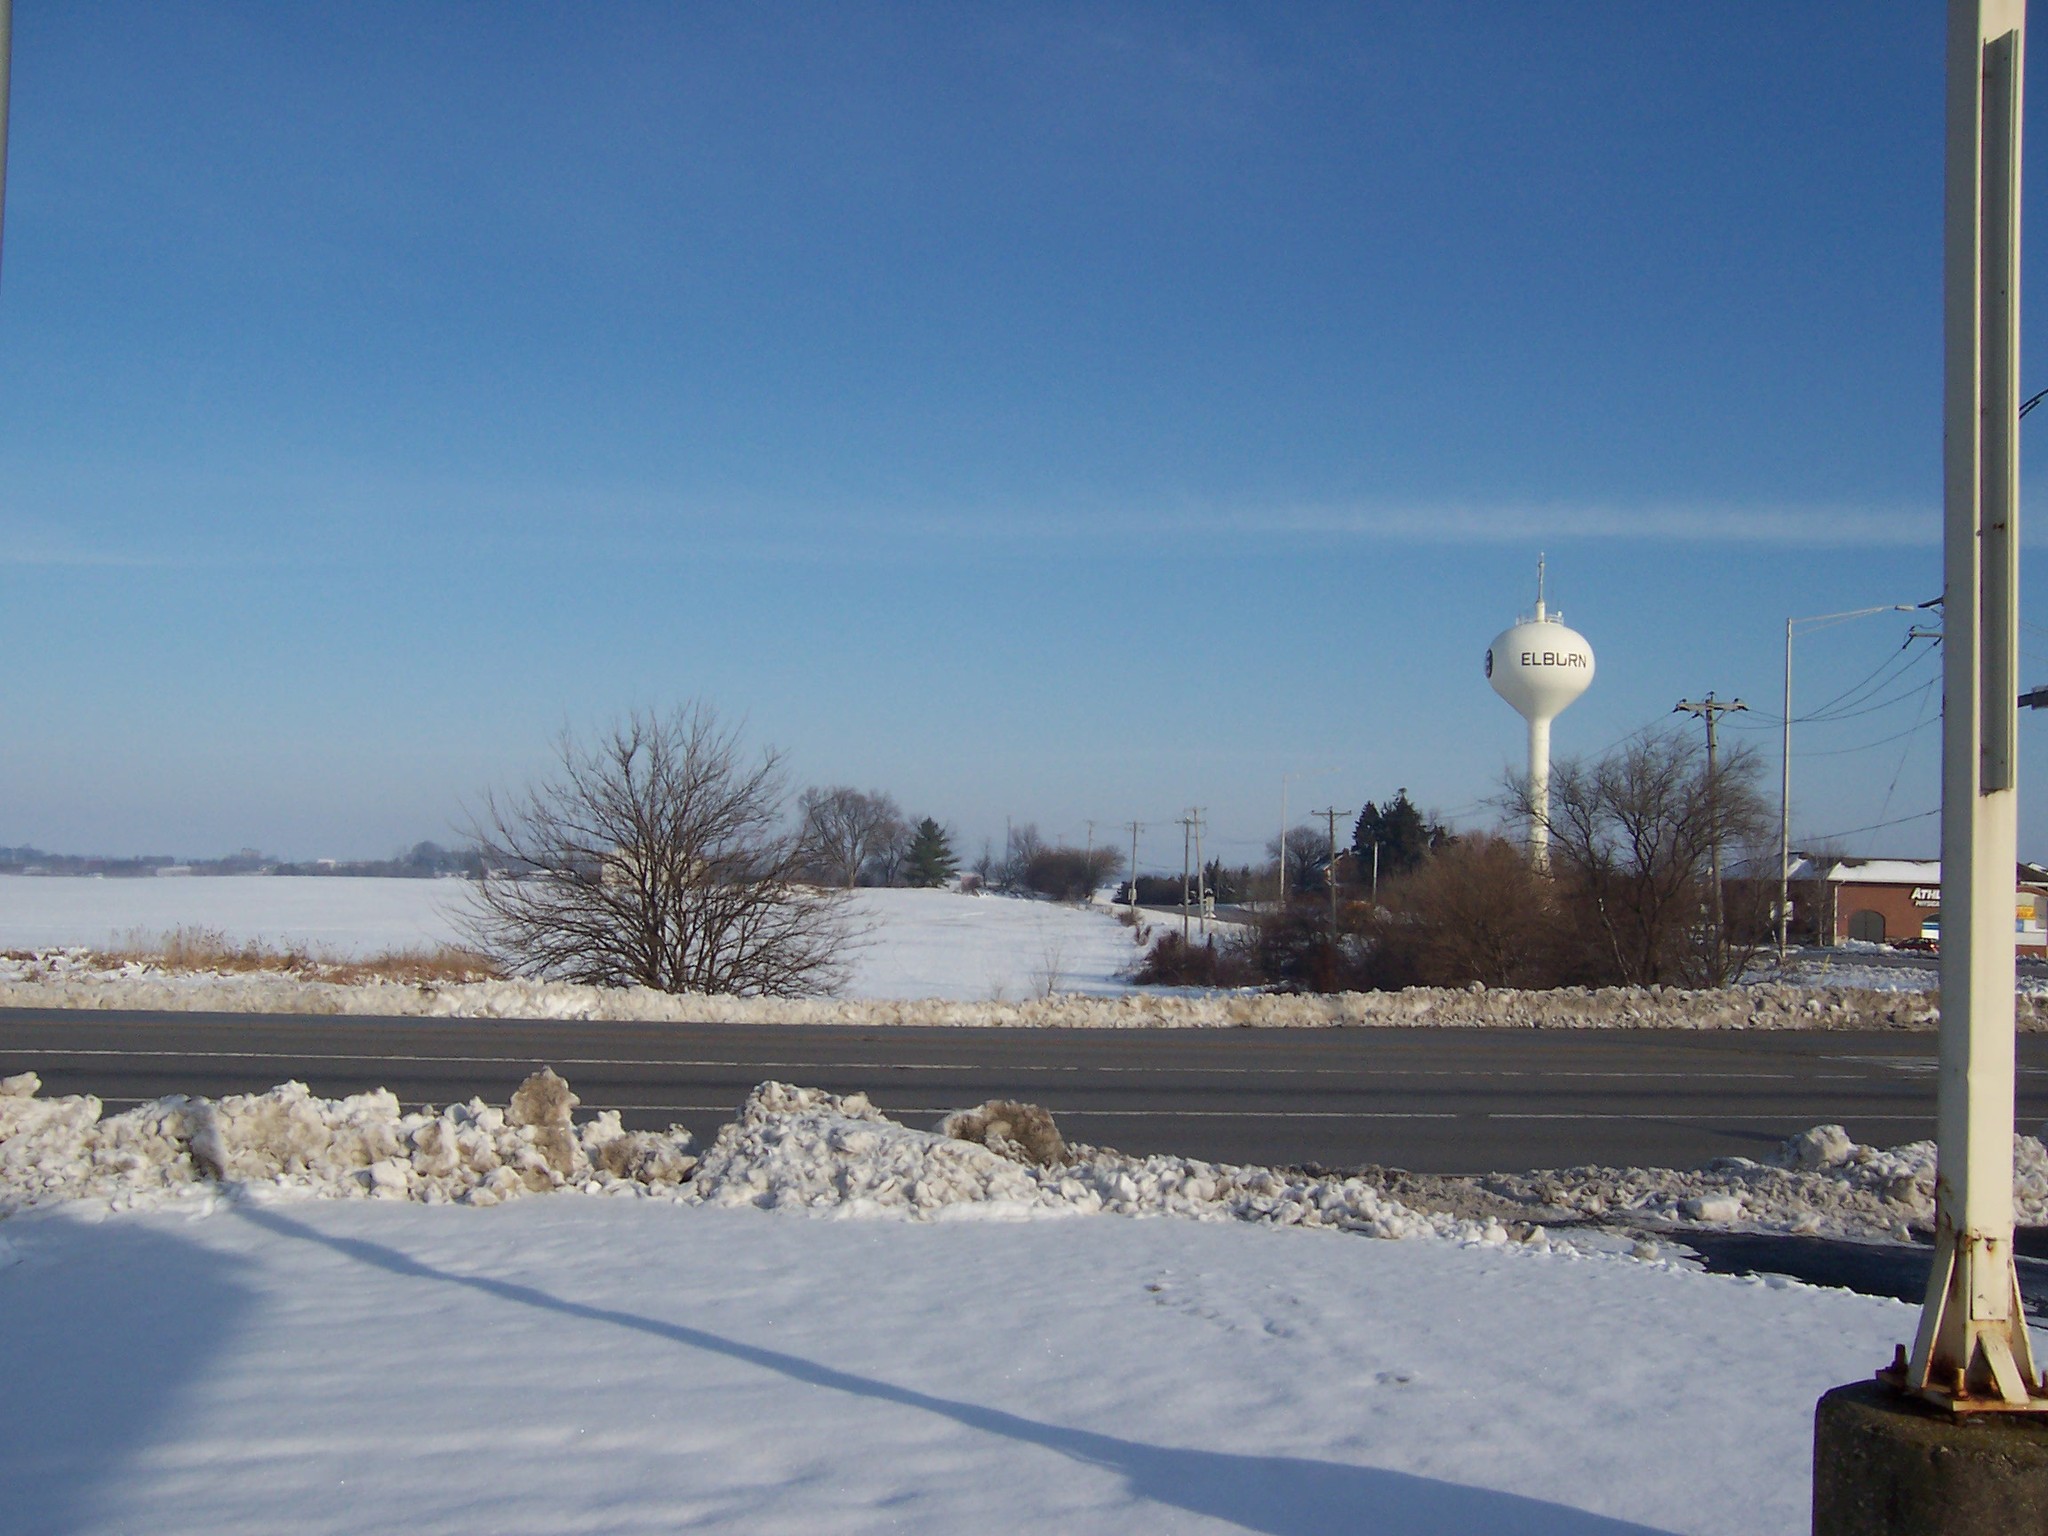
(38, 549)
(1448, 523)
(286, 524)
(1468, 523)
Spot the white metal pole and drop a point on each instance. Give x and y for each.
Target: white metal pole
(1134, 873)
(1972, 1350)
(1785, 807)
(1539, 793)
(1280, 890)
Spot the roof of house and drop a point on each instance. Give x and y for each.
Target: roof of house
(1897, 871)
(1887, 872)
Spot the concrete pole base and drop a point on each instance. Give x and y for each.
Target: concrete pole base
(1885, 1464)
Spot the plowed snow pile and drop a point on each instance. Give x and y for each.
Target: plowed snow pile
(804, 1149)
(291, 1141)
(790, 1148)
(1818, 1182)
(72, 979)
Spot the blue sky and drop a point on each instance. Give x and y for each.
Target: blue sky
(1060, 412)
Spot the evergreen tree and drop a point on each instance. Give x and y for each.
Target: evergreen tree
(1404, 836)
(931, 860)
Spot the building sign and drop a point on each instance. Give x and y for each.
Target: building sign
(1926, 895)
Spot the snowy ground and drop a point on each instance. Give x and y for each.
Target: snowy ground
(986, 948)
(922, 957)
(629, 1366)
(345, 917)
(721, 1355)
(916, 943)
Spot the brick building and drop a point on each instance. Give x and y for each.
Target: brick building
(1885, 901)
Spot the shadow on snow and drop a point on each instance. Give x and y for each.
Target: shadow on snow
(101, 1333)
(1282, 1495)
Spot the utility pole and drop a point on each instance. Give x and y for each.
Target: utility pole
(1135, 826)
(1187, 843)
(1330, 813)
(1710, 709)
(1201, 872)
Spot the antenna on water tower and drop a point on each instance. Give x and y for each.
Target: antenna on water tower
(1539, 666)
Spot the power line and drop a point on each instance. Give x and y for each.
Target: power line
(1923, 693)
(1869, 685)
(1904, 752)
(1877, 826)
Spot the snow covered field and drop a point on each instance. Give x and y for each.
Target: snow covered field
(916, 943)
(238, 1355)
(344, 917)
(922, 957)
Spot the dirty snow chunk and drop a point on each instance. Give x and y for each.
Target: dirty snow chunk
(23, 1085)
(1717, 1208)
(288, 1140)
(543, 1104)
(1024, 1132)
(1824, 1146)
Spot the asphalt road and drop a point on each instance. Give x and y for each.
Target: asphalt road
(1440, 1101)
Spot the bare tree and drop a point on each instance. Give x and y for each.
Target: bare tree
(1308, 858)
(845, 832)
(653, 855)
(1020, 848)
(890, 863)
(1631, 836)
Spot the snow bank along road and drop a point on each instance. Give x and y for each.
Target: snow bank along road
(1438, 1101)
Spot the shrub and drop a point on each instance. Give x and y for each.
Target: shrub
(1476, 911)
(1069, 874)
(1176, 962)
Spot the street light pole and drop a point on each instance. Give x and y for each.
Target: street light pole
(1812, 621)
(1785, 804)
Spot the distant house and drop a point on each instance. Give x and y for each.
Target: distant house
(1888, 901)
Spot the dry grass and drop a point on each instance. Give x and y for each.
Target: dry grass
(209, 950)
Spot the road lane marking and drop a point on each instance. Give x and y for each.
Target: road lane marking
(1209, 1114)
(510, 1061)
(1360, 1074)
(1851, 1114)
(1064, 1114)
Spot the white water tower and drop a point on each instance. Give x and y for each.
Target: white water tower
(1540, 666)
